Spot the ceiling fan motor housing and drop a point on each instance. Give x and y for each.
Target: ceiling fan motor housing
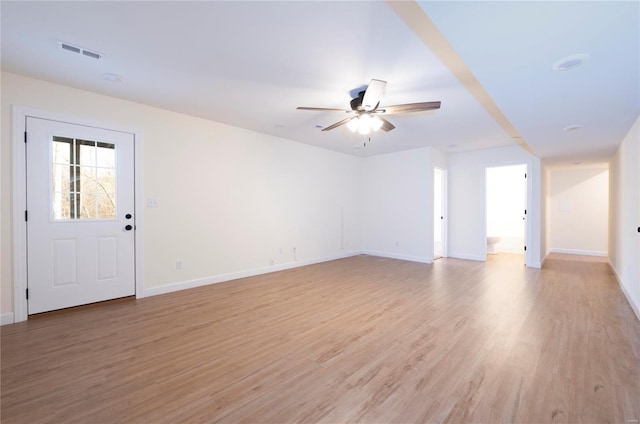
(356, 103)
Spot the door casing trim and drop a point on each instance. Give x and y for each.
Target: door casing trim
(19, 198)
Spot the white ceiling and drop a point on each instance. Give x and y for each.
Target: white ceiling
(249, 64)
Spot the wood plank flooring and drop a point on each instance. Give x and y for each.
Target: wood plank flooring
(362, 339)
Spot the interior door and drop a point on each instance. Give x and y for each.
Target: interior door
(80, 215)
(637, 270)
(438, 213)
(526, 213)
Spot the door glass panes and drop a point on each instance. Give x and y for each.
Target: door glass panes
(83, 179)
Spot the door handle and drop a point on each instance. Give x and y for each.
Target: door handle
(128, 228)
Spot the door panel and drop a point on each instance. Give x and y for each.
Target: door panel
(80, 188)
(64, 255)
(438, 212)
(107, 258)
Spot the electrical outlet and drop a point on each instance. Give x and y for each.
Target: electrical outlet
(152, 203)
(179, 264)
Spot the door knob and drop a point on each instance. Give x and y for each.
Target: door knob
(128, 228)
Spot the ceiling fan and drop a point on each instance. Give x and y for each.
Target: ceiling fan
(365, 114)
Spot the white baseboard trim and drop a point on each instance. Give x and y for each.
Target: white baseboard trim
(467, 257)
(6, 318)
(634, 307)
(546, 256)
(184, 285)
(578, 252)
(389, 255)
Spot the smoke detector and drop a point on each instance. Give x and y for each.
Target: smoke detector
(572, 128)
(570, 62)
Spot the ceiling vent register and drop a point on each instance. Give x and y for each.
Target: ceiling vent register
(78, 50)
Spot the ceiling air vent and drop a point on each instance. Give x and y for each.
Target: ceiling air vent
(79, 50)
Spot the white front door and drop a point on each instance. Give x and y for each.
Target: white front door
(80, 215)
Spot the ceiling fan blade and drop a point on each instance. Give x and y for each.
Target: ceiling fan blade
(411, 107)
(337, 124)
(386, 125)
(372, 94)
(325, 109)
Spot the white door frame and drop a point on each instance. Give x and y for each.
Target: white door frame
(528, 255)
(19, 120)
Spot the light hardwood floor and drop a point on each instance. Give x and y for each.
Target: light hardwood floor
(362, 339)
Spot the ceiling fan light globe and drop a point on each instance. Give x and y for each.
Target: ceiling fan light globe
(365, 124)
(365, 119)
(363, 130)
(353, 124)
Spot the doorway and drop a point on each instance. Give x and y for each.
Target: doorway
(439, 201)
(80, 214)
(506, 209)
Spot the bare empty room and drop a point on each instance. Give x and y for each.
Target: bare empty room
(281, 212)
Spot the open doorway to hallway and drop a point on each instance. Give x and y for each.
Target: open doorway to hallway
(506, 209)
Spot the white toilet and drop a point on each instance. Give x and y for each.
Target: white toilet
(491, 245)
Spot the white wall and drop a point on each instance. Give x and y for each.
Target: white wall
(466, 227)
(230, 199)
(439, 158)
(579, 200)
(624, 216)
(398, 205)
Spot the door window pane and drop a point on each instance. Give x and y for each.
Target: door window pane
(87, 180)
(61, 205)
(86, 152)
(106, 155)
(106, 180)
(83, 179)
(106, 206)
(62, 150)
(61, 178)
(87, 205)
